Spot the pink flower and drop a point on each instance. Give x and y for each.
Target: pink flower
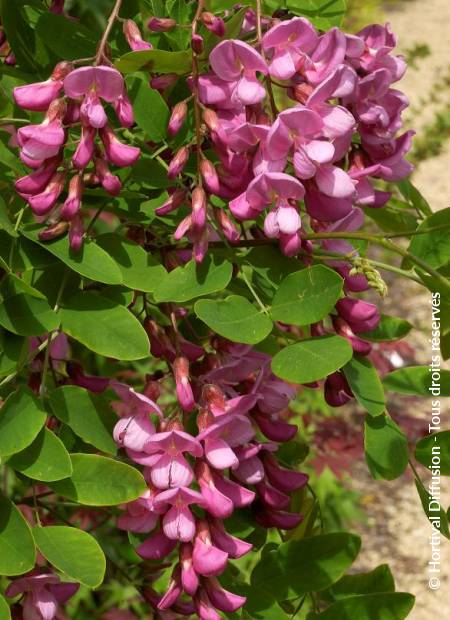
(85, 149)
(329, 53)
(237, 62)
(140, 515)
(170, 468)
(134, 37)
(290, 41)
(265, 189)
(362, 316)
(43, 593)
(40, 142)
(37, 181)
(207, 559)
(37, 97)
(219, 438)
(179, 522)
(42, 203)
(72, 203)
(183, 387)
(119, 154)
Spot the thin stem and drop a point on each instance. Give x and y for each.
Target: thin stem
(195, 79)
(273, 105)
(4, 120)
(104, 40)
(254, 293)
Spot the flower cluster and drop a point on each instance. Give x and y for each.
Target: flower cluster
(42, 146)
(336, 136)
(44, 592)
(197, 479)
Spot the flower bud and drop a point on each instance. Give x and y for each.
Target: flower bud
(10, 59)
(213, 23)
(54, 231)
(183, 387)
(110, 182)
(199, 207)
(177, 118)
(178, 162)
(42, 203)
(119, 154)
(133, 36)
(209, 176)
(85, 148)
(72, 203)
(37, 181)
(182, 228)
(172, 203)
(161, 82)
(61, 70)
(57, 7)
(337, 392)
(362, 316)
(197, 44)
(124, 110)
(161, 24)
(76, 232)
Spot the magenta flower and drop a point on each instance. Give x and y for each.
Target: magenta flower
(37, 97)
(140, 515)
(207, 559)
(42, 203)
(237, 62)
(178, 523)
(85, 149)
(43, 594)
(41, 142)
(93, 83)
(265, 189)
(362, 316)
(222, 435)
(223, 599)
(291, 42)
(170, 468)
(134, 37)
(156, 547)
(37, 181)
(135, 426)
(72, 203)
(235, 547)
(379, 41)
(329, 53)
(119, 154)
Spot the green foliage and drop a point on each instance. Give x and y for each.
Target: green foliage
(325, 355)
(365, 384)
(438, 446)
(306, 296)
(45, 459)
(21, 419)
(17, 550)
(385, 606)
(234, 318)
(386, 447)
(418, 381)
(72, 551)
(100, 481)
(389, 328)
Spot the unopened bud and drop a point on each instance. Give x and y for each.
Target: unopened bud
(161, 82)
(213, 23)
(301, 92)
(183, 387)
(209, 176)
(197, 44)
(161, 24)
(54, 231)
(61, 70)
(227, 226)
(133, 36)
(177, 118)
(178, 162)
(72, 203)
(76, 233)
(57, 110)
(172, 203)
(199, 205)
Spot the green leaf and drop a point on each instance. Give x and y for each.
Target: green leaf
(383, 606)
(307, 296)
(365, 384)
(435, 450)
(308, 565)
(393, 219)
(312, 359)
(19, 33)
(17, 550)
(5, 222)
(12, 349)
(22, 286)
(433, 510)
(100, 481)
(386, 447)
(140, 271)
(155, 61)
(72, 551)
(21, 419)
(388, 329)
(5, 613)
(413, 196)
(104, 327)
(91, 261)
(68, 39)
(380, 579)
(27, 316)
(324, 14)
(192, 280)
(88, 415)
(433, 247)
(234, 318)
(150, 110)
(418, 380)
(45, 459)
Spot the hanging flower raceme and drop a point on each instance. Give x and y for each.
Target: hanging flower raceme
(230, 467)
(71, 97)
(43, 593)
